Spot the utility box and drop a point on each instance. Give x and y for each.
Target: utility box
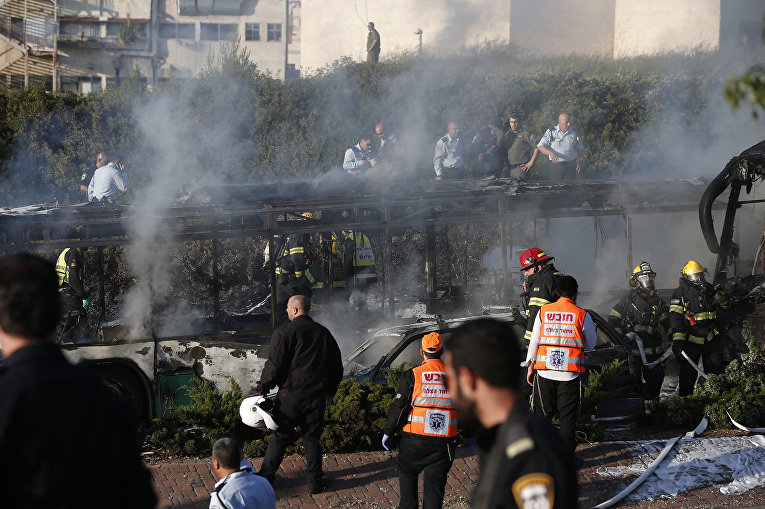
(174, 391)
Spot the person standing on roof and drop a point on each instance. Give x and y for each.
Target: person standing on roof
(304, 362)
(425, 418)
(563, 145)
(692, 315)
(449, 158)
(640, 315)
(107, 181)
(373, 43)
(562, 332)
(540, 285)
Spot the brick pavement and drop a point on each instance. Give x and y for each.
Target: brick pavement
(369, 480)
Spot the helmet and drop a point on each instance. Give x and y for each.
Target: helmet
(307, 215)
(694, 272)
(254, 416)
(533, 256)
(643, 276)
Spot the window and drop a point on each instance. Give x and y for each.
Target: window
(77, 29)
(177, 31)
(252, 31)
(138, 30)
(217, 31)
(274, 32)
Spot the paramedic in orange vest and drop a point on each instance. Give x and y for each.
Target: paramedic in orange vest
(424, 416)
(562, 332)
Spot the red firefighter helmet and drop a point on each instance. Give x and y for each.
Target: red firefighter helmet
(533, 256)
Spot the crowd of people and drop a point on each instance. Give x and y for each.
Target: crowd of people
(468, 384)
(493, 152)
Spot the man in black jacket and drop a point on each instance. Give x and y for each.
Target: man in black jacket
(90, 461)
(304, 361)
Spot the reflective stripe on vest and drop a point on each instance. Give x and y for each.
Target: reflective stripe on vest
(62, 269)
(364, 257)
(433, 413)
(561, 340)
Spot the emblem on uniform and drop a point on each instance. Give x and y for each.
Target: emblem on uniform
(557, 359)
(534, 491)
(437, 421)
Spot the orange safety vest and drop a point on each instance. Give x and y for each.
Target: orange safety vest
(561, 340)
(433, 413)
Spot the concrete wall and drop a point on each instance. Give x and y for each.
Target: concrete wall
(332, 29)
(136, 9)
(741, 30)
(556, 27)
(661, 26)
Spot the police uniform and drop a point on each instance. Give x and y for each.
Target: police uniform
(518, 148)
(449, 158)
(527, 465)
(427, 421)
(692, 316)
(243, 489)
(644, 316)
(542, 287)
(567, 145)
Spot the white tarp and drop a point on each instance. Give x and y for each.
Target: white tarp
(734, 464)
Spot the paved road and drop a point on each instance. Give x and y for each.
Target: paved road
(370, 480)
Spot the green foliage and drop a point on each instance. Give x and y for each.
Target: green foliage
(749, 87)
(217, 413)
(129, 32)
(605, 383)
(739, 391)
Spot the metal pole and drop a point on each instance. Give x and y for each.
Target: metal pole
(101, 292)
(215, 288)
(430, 268)
(54, 85)
(388, 290)
(287, 31)
(628, 234)
(26, 49)
(272, 274)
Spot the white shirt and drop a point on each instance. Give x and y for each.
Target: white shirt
(243, 490)
(565, 144)
(106, 181)
(354, 159)
(449, 153)
(590, 340)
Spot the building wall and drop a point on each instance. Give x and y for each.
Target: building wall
(554, 27)
(332, 29)
(662, 26)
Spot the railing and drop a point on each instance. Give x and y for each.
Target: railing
(40, 32)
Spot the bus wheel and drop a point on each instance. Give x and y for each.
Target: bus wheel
(128, 385)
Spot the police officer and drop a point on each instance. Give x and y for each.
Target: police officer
(524, 460)
(484, 155)
(541, 281)
(238, 486)
(692, 315)
(304, 362)
(562, 332)
(642, 314)
(449, 157)
(427, 421)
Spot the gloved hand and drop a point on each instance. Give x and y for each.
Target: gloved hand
(85, 304)
(677, 348)
(386, 442)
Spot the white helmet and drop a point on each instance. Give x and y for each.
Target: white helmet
(254, 416)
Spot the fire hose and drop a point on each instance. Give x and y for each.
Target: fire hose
(639, 342)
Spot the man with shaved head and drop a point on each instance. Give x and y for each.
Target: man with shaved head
(304, 362)
(563, 145)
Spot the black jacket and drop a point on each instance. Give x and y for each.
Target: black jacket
(66, 440)
(542, 289)
(644, 315)
(697, 304)
(303, 359)
(527, 447)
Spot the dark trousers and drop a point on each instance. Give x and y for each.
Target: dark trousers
(453, 173)
(434, 457)
(562, 170)
(552, 398)
(711, 353)
(517, 172)
(293, 410)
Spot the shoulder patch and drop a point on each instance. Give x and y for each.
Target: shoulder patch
(534, 490)
(518, 447)
(675, 301)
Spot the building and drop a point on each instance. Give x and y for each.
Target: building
(87, 45)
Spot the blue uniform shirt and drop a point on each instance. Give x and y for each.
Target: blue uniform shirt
(243, 490)
(566, 144)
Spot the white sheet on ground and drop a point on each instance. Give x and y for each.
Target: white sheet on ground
(734, 464)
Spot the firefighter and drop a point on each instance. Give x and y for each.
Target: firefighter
(291, 263)
(362, 273)
(692, 316)
(70, 269)
(326, 275)
(640, 315)
(541, 282)
(424, 416)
